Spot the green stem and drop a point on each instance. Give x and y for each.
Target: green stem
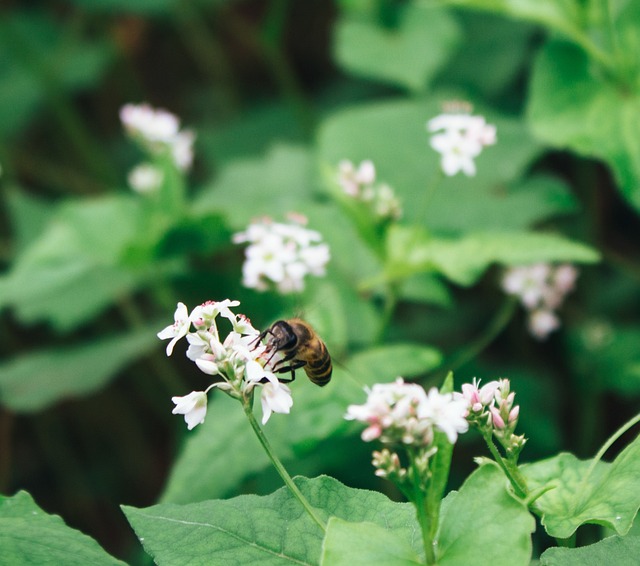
(488, 335)
(509, 468)
(609, 443)
(423, 513)
(247, 406)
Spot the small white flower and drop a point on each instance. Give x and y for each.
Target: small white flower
(280, 256)
(542, 323)
(460, 140)
(192, 406)
(145, 178)
(445, 412)
(178, 329)
(276, 398)
(158, 131)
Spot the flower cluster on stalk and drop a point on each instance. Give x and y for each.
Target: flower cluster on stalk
(158, 132)
(401, 414)
(541, 289)
(360, 184)
(491, 409)
(459, 138)
(240, 360)
(281, 255)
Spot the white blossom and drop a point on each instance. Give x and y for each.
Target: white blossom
(178, 329)
(275, 398)
(541, 288)
(145, 178)
(460, 138)
(360, 184)
(193, 406)
(238, 360)
(158, 131)
(281, 255)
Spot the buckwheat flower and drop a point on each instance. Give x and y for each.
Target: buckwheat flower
(178, 329)
(275, 398)
(477, 398)
(360, 184)
(145, 178)
(542, 322)
(460, 138)
(353, 180)
(445, 412)
(281, 255)
(192, 406)
(158, 131)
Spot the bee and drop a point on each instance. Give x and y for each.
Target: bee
(301, 347)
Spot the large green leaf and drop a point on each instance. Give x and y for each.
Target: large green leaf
(393, 135)
(268, 530)
(470, 530)
(605, 494)
(34, 381)
(30, 537)
(79, 264)
(223, 451)
(407, 55)
(273, 185)
(621, 551)
(359, 544)
(464, 259)
(572, 106)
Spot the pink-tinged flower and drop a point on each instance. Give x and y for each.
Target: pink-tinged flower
(192, 406)
(477, 398)
(178, 329)
(498, 421)
(276, 398)
(353, 180)
(565, 277)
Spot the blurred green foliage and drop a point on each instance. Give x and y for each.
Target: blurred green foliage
(278, 93)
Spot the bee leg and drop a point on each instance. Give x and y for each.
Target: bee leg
(292, 367)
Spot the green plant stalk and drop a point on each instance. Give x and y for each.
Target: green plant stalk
(609, 443)
(508, 466)
(248, 410)
(424, 513)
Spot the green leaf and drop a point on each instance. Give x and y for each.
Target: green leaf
(34, 381)
(28, 217)
(464, 259)
(272, 185)
(393, 135)
(408, 55)
(560, 15)
(210, 465)
(77, 265)
(268, 530)
(573, 107)
(29, 536)
(609, 495)
(621, 551)
(484, 520)
(355, 544)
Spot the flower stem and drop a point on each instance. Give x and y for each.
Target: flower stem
(509, 467)
(425, 516)
(247, 406)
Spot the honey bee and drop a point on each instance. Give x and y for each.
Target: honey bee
(301, 347)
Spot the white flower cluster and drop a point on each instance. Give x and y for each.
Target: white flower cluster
(281, 255)
(491, 407)
(359, 183)
(541, 289)
(158, 132)
(460, 140)
(404, 413)
(239, 360)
